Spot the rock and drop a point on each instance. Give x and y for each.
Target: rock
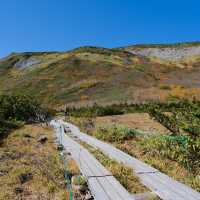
(25, 177)
(42, 139)
(26, 135)
(18, 190)
(3, 172)
(26, 63)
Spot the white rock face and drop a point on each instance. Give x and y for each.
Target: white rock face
(23, 64)
(168, 53)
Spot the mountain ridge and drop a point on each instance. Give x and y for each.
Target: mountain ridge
(89, 74)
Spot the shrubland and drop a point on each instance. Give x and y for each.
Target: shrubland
(176, 154)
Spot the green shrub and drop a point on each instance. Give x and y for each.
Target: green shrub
(19, 108)
(22, 108)
(6, 126)
(114, 133)
(193, 155)
(182, 149)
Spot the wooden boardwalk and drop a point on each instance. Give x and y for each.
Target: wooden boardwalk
(101, 182)
(164, 186)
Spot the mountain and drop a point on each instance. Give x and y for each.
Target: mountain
(180, 54)
(92, 74)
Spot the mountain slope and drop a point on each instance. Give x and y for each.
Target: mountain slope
(90, 74)
(180, 54)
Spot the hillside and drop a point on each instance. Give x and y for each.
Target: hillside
(89, 74)
(180, 54)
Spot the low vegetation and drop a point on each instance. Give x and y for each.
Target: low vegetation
(179, 44)
(176, 154)
(21, 108)
(16, 110)
(128, 107)
(121, 172)
(30, 169)
(100, 50)
(184, 145)
(114, 133)
(98, 110)
(30, 164)
(119, 75)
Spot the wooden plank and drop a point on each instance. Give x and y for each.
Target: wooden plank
(139, 166)
(108, 187)
(164, 186)
(97, 190)
(117, 186)
(160, 189)
(177, 187)
(101, 182)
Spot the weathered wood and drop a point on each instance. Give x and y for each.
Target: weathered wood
(164, 186)
(101, 182)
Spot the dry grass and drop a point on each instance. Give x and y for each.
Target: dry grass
(137, 147)
(185, 93)
(140, 121)
(21, 153)
(122, 173)
(72, 167)
(172, 168)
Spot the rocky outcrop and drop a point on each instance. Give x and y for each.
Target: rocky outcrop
(166, 53)
(26, 63)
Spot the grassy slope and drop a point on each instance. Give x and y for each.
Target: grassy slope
(21, 153)
(88, 74)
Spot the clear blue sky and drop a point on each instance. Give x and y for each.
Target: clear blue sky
(41, 25)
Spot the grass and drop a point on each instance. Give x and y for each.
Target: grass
(141, 67)
(165, 153)
(21, 153)
(114, 133)
(152, 150)
(179, 44)
(165, 87)
(121, 172)
(120, 76)
(72, 167)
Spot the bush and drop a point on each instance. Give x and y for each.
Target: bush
(5, 127)
(193, 155)
(182, 149)
(22, 108)
(19, 108)
(114, 133)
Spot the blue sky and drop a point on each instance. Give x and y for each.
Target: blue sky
(41, 25)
